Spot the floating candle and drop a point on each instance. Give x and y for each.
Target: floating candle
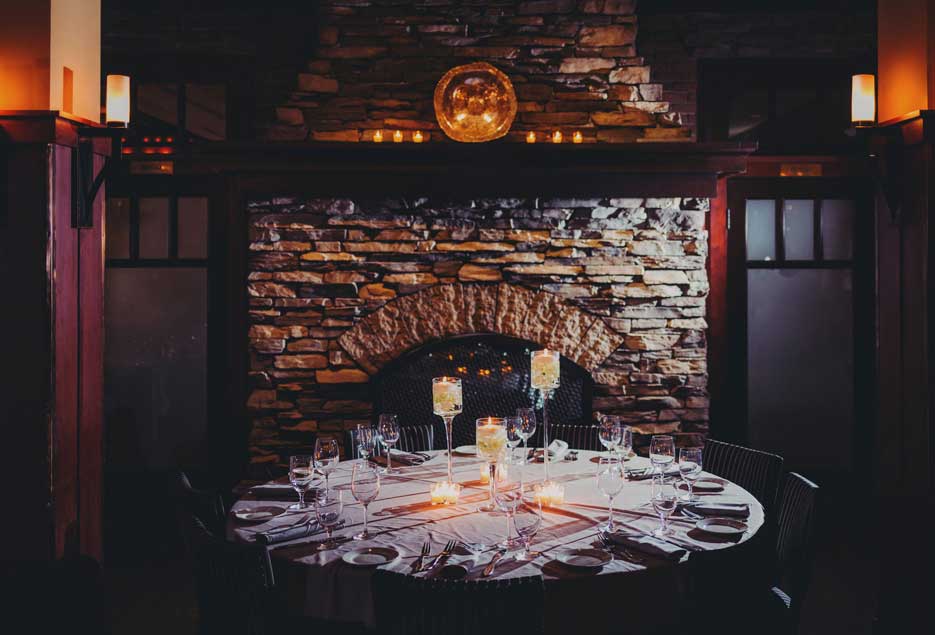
(491, 439)
(446, 396)
(378, 136)
(544, 369)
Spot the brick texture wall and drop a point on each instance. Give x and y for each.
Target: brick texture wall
(573, 63)
(338, 287)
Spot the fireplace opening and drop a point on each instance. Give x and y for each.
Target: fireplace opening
(494, 370)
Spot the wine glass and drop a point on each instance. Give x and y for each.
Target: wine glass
(301, 475)
(365, 440)
(661, 451)
(329, 505)
(610, 482)
(513, 435)
(389, 430)
(491, 447)
(365, 486)
(327, 455)
(690, 469)
(527, 519)
(626, 442)
(664, 499)
(527, 427)
(609, 433)
(509, 496)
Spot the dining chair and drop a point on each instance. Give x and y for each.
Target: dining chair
(206, 504)
(756, 471)
(407, 605)
(794, 546)
(578, 437)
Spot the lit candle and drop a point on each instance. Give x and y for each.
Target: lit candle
(491, 439)
(550, 494)
(398, 136)
(577, 138)
(557, 136)
(417, 136)
(445, 493)
(544, 369)
(502, 473)
(378, 136)
(530, 137)
(446, 396)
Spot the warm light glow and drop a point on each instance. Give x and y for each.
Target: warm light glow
(417, 137)
(502, 473)
(550, 494)
(378, 136)
(118, 100)
(577, 137)
(398, 136)
(530, 137)
(445, 493)
(863, 100)
(557, 136)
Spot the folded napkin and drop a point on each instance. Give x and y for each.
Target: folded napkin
(274, 492)
(646, 474)
(557, 451)
(399, 458)
(649, 545)
(274, 536)
(740, 510)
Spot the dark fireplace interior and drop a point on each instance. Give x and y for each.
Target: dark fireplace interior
(495, 375)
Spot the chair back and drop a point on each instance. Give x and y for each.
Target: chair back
(406, 605)
(756, 471)
(795, 539)
(413, 438)
(578, 437)
(206, 505)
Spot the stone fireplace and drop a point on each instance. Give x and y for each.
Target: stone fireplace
(340, 288)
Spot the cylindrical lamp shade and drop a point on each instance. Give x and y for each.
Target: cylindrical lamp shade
(118, 101)
(863, 100)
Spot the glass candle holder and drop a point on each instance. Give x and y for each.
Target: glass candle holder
(557, 136)
(445, 493)
(378, 136)
(398, 136)
(491, 442)
(530, 137)
(545, 375)
(447, 403)
(550, 494)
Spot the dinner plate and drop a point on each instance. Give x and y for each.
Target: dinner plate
(722, 526)
(704, 486)
(370, 556)
(257, 514)
(584, 558)
(466, 450)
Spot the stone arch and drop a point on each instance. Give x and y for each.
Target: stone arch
(447, 310)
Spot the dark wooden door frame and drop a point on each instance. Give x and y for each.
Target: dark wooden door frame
(733, 425)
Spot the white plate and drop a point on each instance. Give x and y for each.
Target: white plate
(704, 486)
(370, 556)
(466, 450)
(584, 558)
(722, 526)
(257, 514)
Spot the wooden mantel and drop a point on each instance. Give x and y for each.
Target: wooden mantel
(497, 168)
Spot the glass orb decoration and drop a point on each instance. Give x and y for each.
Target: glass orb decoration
(475, 102)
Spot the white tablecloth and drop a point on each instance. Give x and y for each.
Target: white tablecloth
(403, 517)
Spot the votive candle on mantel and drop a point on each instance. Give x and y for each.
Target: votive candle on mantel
(417, 137)
(577, 137)
(530, 137)
(398, 136)
(557, 136)
(378, 136)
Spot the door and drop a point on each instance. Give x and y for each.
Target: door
(800, 291)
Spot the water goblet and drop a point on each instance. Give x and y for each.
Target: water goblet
(389, 430)
(513, 436)
(610, 480)
(365, 436)
(609, 433)
(664, 500)
(527, 519)
(527, 427)
(690, 470)
(327, 455)
(301, 475)
(365, 486)
(626, 442)
(329, 506)
(509, 496)
(661, 451)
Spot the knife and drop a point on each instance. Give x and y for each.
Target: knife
(488, 570)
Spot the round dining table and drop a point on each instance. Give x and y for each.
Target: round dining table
(319, 584)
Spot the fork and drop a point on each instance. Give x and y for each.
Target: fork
(417, 564)
(449, 547)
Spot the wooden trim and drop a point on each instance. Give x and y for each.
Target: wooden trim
(717, 303)
(46, 126)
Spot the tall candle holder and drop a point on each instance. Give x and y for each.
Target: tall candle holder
(447, 403)
(491, 446)
(545, 377)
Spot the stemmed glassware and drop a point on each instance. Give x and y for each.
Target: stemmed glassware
(664, 500)
(545, 376)
(527, 428)
(609, 433)
(661, 452)
(626, 442)
(513, 436)
(327, 455)
(366, 436)
(690, 470)
(610, 482)
(301, 475)
(365, 486)
(509, 493)
(491, 446)
(389, 430)
(447, 403)
(527, 519)
(329, 506)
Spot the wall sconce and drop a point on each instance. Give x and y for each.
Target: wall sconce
(85, 185)
(863, 101)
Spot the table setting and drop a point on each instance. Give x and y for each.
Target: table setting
(586, 524)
